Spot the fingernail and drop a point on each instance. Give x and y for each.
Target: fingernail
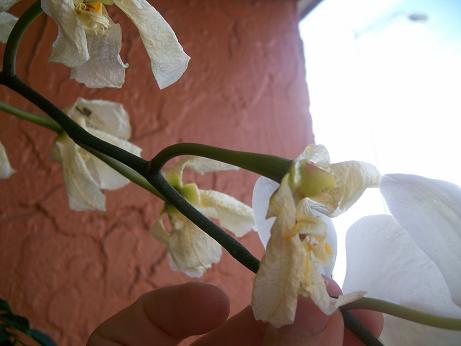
(309, 321)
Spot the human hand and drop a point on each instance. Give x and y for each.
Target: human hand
(168, 315)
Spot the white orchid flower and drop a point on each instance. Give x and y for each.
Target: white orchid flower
(7, 20)
(5, 168)
(412, 257)
(89, 42)
(191, 250)
(302, 242)
(84, 174)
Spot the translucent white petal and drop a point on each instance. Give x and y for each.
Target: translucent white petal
(7, 22)
(316, 154)
(110, 117)
(82, 190)
(352, 179)
(327, 269)
(192, 251)
(106, 176)
(232, 214)
(159, 232)
(262, 192)
(430, 211)
(105, 68)
(168, 60)
(317, 291)
(204, 165)
(383, 260)
(5, 168)
(5, 5)
(70, 47)
(277, 283)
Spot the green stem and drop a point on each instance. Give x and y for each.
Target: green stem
(9, 56)
(126, 171)
(405, 313)
(272, 167)
(34, 118)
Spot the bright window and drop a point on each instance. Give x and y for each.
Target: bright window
(384, 80)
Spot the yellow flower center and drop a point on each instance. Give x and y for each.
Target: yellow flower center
(92, 15)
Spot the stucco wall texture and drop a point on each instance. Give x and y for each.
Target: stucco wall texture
(68, 271)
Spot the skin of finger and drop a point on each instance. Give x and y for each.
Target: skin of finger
(311, 327)
(241, 329)
(165, 316)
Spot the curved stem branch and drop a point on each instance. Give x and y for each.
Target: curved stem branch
(272, 167)
(9, 57)
(405, 313)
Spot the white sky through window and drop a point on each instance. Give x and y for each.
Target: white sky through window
(384, 81)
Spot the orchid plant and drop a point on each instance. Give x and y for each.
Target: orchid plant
(402, 264)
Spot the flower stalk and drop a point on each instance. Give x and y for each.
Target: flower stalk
(9, 57)
(405, 313)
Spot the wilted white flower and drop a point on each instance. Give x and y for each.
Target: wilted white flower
(302, 243)
(192, 251)
(5, 168)
(412, 257)
(84, 174)
(89, 42)
(7, 20)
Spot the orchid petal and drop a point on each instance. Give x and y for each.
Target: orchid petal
(232, 214)
(7, 22)
(386, 262)
(262, 192)
(107, 177)
(317, 154)
(5, 168)
(331, 238)
(317, 291)
(352, 179)
(430, 211)
(168, 60)
(159, 232)
(277, 282)
(105, 68)
(110, 117)
(70, 47)
(5, 5)
(82, 190)
(192, 251)
(204, 165)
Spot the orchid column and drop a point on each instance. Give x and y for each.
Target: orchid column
(244, 89)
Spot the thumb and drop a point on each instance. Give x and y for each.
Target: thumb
(311, 327)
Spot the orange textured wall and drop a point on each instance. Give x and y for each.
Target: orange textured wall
(244, 89)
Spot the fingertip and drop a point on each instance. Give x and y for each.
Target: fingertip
(190, 309)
